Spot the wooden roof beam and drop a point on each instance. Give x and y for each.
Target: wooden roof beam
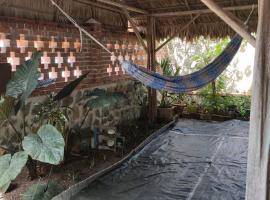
(226, 17)
(90, 3)
(123, 6)
(202, 11)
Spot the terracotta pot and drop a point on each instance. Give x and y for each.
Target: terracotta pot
(166, 113)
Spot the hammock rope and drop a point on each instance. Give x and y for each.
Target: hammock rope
(177, 84)
(81, 29)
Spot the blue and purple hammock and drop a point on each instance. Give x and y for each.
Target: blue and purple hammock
(190, 82)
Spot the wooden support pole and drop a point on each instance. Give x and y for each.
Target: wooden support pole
(121, 5)
(258, 167)
(201, 11)
(133, 24)
(183, 28)
(151, 43)
(240, 29)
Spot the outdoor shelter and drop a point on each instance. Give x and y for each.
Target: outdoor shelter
(156, 20)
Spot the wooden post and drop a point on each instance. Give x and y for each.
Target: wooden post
(226, 17)
(258, 171)
(151, 43)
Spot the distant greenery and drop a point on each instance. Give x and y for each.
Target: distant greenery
(191, 56)
(205, 57)
(168, 69)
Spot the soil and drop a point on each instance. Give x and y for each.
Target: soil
(79, 168)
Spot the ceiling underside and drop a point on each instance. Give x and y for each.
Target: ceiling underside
(207, 24)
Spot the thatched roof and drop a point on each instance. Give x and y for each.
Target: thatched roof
(207, 24)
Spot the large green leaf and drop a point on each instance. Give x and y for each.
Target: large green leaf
(43, 191)
(45, 146)
(25, 80)
(6, 106)
(10, 167)
(69, 88)
(102, 98)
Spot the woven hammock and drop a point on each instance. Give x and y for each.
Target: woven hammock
(190, 82)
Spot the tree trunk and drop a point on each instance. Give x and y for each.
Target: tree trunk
(258, 176)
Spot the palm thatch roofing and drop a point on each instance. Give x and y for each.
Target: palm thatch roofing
(169, 24)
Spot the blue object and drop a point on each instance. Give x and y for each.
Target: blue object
(190, 82)
(45, 83)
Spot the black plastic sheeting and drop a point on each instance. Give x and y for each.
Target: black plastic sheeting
(194, 160)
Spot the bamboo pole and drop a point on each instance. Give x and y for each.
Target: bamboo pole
(240, 29)
(183, 28)
(135, 29)
(121, 5)
(201, 11)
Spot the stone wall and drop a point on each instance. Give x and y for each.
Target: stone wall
(100, 117)
(92, 59)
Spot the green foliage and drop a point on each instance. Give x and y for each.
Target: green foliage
(69, 88)
(225, 104)
(46, 146)
(101, 98)
(205, 57)
(168, 69)
(25, 79)
(10, 167)
(6, 107)
(43, 191)
(50, 112)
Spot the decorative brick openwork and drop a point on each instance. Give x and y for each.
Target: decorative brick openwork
(61, 56)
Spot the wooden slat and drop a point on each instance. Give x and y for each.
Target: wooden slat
(201, 11)
(240, 29)
(98, 5)
(121, 5)
(136, 31)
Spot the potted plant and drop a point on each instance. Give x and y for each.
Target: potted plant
(166, 109)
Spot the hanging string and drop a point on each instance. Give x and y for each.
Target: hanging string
(79, 27)
(81, 39)
(250, 14)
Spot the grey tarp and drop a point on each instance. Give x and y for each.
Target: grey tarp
(193, 160)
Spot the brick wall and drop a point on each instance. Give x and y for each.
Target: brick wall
(92, 59)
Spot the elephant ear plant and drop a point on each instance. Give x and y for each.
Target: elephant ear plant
(47, 145)
(51, 111)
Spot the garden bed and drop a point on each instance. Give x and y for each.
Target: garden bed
(80, 167)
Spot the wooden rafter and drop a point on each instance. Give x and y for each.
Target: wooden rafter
(173, 36)
(133, 24)
(123, 6)
(221, 13)
(98, 5)
(201, 11)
